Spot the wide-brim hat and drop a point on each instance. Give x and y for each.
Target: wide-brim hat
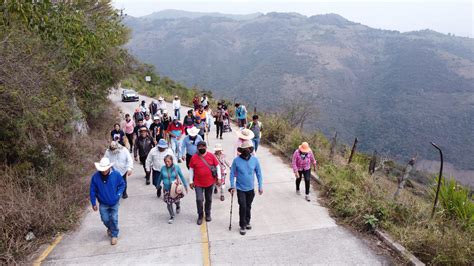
(304, 147)
(218, 147)
(194, 131)
(156, 117)
(245, 134)
(103, 165)
(143, 128)
(160, 98)
(246, 144)
(162, 144)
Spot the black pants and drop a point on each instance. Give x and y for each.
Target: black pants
(125, 179)
(143, 162)
(219, 129)
(130, 141)
(170, 208)
(245, 199)
(188, 160)
(204, 195)
(307, 177)
(202, 136)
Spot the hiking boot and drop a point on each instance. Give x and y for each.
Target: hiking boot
(222, 198)
(208, 218)
(125, 195)
(109, 233)
(113, 241)
(248, 227)
(199, 221)
(171, 220)
(307, 198)
(158, 193)
(242, 231)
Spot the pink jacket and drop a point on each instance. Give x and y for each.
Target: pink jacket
(300, 164)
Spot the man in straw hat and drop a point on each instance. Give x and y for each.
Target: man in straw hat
(243, 135)
(303, 157)
(242, 177)
(155, 161)
(189, 145)
(107, 187)
(122, 160)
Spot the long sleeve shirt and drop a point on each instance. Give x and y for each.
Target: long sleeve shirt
(176, 104)
(155, 159)
(169, 175)
(176, 130)
(302, 162)
(121, 158)
(242, 174)
(189, 146)
(107, 192)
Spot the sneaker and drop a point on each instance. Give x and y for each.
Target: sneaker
(215, 190)
(178, 210)
(221, 137)
(217, 137)
(124, 196)
(242, 231)
(208, 218)
(170, 221)
(147, 182)
(222, 198)
(113, 241)
(158, 193)
(199, 221)
(307, 198)
(109, 233)
(248, 227)
(298, 192)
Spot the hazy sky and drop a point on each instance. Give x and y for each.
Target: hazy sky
(455, 16)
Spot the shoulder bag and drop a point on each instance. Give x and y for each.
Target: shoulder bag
(211, 167)
(177, 187)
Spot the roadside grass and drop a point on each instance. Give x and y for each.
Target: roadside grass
(52, 199)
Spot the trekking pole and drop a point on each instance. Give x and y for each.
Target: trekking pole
(231, 203)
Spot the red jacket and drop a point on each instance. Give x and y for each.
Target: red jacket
(176, 130)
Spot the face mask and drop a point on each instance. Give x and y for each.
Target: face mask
(202, 151)
(161, 149)
(245, 152)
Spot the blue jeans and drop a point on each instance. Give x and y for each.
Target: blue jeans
(256, 142)
(176, 146)
(109, 216)
(156, 179)
(177, 114)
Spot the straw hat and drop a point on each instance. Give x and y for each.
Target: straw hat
(162, 144)
(245, 134)
(218, 147)
(193, 131)
(103, 165)
(160, 98)
(304, 147)
(246, 144)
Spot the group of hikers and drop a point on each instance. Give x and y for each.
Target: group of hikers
(163, 143)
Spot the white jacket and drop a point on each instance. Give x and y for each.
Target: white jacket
(156, 158)
(121, 158)
(176, 104)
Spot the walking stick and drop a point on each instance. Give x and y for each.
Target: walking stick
(231, 203)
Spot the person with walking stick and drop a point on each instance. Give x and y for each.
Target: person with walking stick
(243, 169)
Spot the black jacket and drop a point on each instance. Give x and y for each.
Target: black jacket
(143, 146)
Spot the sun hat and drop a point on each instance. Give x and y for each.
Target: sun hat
(246, 144)
(113, 145)
(160, 98)
(193, 131)
(144, 128)
(165, 111)
(156, 117)
(304, 147)
(176, 97)
(202, 143)
(162, 144)
(218, 147)
(103, 165)
(245, 134)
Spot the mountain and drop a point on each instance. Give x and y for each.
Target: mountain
(394, 91)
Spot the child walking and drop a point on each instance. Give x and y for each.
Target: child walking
(219, 153)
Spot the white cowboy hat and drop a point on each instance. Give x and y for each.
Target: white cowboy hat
(193, 131)
(245, 134)
(103, 165)
(218, 147)
(246, 144)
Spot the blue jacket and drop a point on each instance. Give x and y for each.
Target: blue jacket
(166, 181)
(189, 146)
(243, 171)
(107, 193)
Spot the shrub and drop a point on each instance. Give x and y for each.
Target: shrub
(456, 202)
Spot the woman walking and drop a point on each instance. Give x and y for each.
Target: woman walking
(171, 173)
(224, 165)
(303, 157)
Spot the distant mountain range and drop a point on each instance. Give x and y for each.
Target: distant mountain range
(395, 91)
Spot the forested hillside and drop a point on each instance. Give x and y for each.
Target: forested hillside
(395, 91)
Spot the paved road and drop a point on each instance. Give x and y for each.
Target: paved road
(286, 228)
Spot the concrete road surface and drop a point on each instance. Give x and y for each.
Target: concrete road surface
(286, 228)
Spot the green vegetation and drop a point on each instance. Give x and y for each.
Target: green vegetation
(366, 202)
(58, 60)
